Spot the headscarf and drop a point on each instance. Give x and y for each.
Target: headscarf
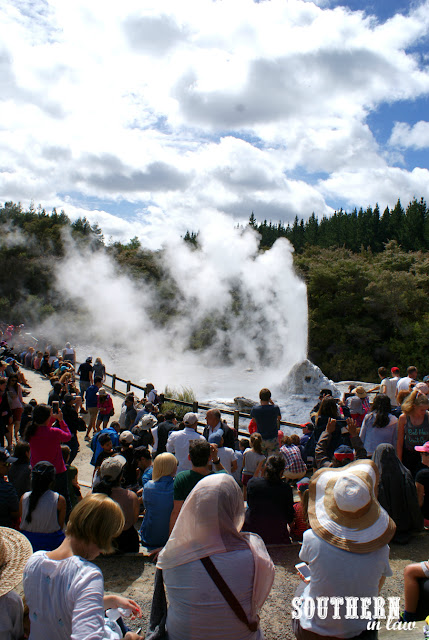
(396, 490)
(209, 523)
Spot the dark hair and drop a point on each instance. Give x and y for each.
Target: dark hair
(104, 438)
(65, 450)
(411, 369)
(328, 407)
(57, 387)
(199, 452)
(41, 413)
(170, 415)
(20, 451)
(245, 442)
(42, 479)
(105, 486)
(98, 379)
(382, 407)
(325, 392)
(142, 452)
(274, 468)
(264, 394)
(383, 372)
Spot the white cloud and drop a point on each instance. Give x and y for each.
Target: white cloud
(415, 137)
(185, 109)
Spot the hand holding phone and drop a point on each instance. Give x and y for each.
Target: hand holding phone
(304, 571)
(55, 407)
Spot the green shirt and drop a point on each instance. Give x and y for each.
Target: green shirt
(185, 481)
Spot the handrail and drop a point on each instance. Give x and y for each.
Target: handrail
(196, 406)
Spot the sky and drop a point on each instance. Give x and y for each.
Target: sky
(153, 117)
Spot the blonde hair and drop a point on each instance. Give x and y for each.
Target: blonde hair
(164, 465)
(97, 519)
(413, 400)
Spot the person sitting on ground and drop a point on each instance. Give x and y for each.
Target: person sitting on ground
(113, 431)
(110, 483)
(203, 458)
(251, 459)
(348, 538)
(64, 590)
(42, 510)
(397, 493)
(72, 480)
(343, 454)
(55, 394)
(413, 429)
(106, 445)
(379, 426)
(45, 441)
(142, 431)
(295, 466)
(37, 361)
(149, 407)
(422, 482)
(9, 501)
(270, 503)
(267, 416)
(416, 592)
(128, 412)
(226, 455)
(206, 537)
(15, 550)
(143, 466)
(158, 498)
(13, 369)
(300, 521)
(358, 405)
(20, 471)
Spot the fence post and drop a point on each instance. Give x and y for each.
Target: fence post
(195, 407)
(114, 382)
(236, 420)
(128, 386)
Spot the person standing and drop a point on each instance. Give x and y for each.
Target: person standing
(91, 404)
(214, 423)
(164, 430)
(267, 417)
(407, 383)
(86, 377)
(178, 441)
(69, 354)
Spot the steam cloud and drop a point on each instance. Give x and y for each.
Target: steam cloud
(249, 309)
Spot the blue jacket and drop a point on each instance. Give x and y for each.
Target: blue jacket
(158, 501)
(98, 448)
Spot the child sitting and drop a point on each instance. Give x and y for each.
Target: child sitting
(300, 522)
(72, 481)
(106, 444)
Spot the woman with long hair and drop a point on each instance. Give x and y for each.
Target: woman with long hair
(270, 503)
(207, 541)
(379, 426)
(251, 459)
(45, 433)
(158, 499)
(413, 429)
(16, 403)
(42, 510)
(64, 590)
(99, 369)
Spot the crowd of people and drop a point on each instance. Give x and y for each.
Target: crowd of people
(204, 502)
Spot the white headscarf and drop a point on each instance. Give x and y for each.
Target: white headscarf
(210, 523)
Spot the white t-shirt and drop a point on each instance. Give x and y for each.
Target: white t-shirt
(226, 456)
(65, 600)
(335, 572)
(178, 443)
(197, 609)
(404, 384)
(11, 614)
(390, 384)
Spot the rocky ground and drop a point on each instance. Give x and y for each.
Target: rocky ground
(133, 575)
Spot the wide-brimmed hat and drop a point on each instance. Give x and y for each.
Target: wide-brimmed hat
(147, 422)
(111, 468)
(102, 392)
(360, 392)
(15, 550)
(344, 511)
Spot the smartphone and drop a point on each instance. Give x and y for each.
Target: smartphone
(304, 570)
(55, 407)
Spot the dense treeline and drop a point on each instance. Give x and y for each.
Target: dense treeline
(368, 305)
(358, 230)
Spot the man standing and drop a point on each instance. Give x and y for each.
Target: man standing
(407, 383)
(214, 423)
(267, 417)
(85, 373)
(164, 430)
(91, 404)
(178, 441)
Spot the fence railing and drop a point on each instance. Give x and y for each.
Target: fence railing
(128, 385)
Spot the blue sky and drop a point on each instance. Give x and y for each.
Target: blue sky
(152, 118)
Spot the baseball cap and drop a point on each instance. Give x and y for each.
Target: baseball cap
(111, 468)
(394, 370)
(127, 437)
(190, 418)
(343, 452)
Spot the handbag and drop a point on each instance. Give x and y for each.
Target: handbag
(227, 594)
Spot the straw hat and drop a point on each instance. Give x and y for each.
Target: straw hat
(360, 392)
(344, 511)
(15, 550)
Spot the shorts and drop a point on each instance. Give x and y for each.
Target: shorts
(270, 446)
(103, 417)
(245, 477)
(84, 384)
(17, 413)
(93, 411)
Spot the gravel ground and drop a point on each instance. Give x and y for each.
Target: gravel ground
(133, 575)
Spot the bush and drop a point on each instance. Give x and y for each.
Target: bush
(185, 395)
